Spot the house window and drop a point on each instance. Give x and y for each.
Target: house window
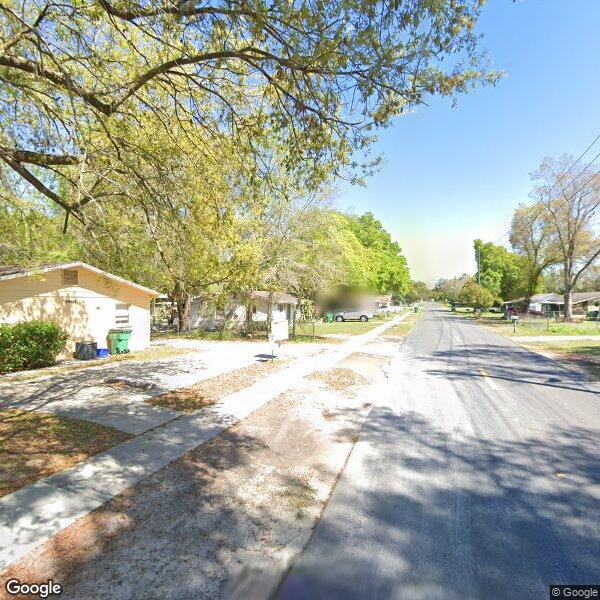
(70, 276)
(122, 314)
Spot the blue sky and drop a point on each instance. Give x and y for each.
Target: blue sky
(453, 174)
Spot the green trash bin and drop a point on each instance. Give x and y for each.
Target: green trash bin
(118, 341)
(328, 317)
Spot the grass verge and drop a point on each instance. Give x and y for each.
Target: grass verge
(401, 329)
(36, 444)
(207, 392)
(580, 354)
(531, 326)
(200, 334)
(322, 332)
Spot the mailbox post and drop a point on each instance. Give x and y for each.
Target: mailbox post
(514, 319)
(279, 332)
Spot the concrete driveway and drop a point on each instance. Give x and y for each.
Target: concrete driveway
(91, 394)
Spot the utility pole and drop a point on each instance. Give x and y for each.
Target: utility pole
(479, 266)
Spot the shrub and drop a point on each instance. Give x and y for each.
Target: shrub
(476, 296)
(30, 345)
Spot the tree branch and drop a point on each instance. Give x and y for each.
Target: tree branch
(39, 158)
(585, 266)
(35, 182)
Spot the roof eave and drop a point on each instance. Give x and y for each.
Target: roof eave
(82, 265)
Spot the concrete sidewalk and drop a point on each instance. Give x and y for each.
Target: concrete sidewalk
(33, 514)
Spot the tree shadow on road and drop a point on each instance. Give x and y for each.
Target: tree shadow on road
(508, 363)
(436, 515)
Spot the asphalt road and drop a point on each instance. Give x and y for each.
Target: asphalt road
(479, 477)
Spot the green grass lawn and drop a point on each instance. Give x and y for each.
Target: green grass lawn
(200, 334)
(531, 327)
(470, 314)
(582, 347)
(323, 332)
(582, 353)
(340, 328)
(402, 328)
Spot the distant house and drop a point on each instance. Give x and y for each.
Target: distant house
(281, 309)
(383, 302)
(204, 316)
(85, 301)
(582, 302)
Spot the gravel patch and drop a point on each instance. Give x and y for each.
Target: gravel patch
(339, 378)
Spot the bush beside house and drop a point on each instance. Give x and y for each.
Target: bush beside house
(30, 345)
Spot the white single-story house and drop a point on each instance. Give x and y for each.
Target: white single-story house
(85, 301)
(282, 306)
(382, 304)
(204, 316)
(554, 303)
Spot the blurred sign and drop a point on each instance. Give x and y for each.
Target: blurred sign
(280, 331)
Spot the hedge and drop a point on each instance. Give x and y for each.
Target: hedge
(30, 345)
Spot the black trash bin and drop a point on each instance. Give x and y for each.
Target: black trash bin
(85, 350)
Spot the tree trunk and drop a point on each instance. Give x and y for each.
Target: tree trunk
(248, 315)
(568, 303)
(269, 312)
(532, 283)
(172, 312)
(568, 299)
(182, 299)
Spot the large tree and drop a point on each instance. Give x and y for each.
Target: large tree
(449, 289)
(179, 229)
(531, 237)
(499, 270)
(570, 199)
(384, 265)
(319, 76)
(418, 290)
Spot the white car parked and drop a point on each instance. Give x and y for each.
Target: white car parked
(353, 315)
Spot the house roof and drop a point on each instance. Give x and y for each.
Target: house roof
(8, 272)
(281, 297)
(577, 298)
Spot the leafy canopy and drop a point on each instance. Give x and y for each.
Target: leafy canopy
(502, 272)
(319, 77)
(375, 261)
(476, 296)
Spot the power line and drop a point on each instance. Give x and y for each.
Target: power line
(549, 193)
(567, 199)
